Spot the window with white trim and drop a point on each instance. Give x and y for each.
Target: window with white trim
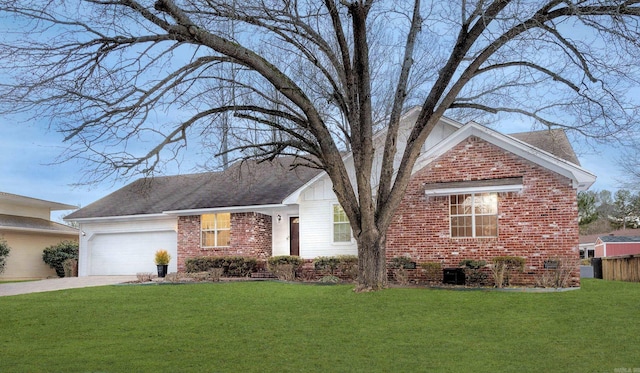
(341, 226)
(474, 215)
(216, 230)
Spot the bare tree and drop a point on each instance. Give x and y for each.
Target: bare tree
(325, 75)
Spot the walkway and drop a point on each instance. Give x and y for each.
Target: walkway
(15, 288)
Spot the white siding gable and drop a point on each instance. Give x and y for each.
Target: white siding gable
(317, 199)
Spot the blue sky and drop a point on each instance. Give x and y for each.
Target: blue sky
(27, 152)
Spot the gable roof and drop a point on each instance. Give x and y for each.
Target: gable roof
(245, 183)
(582, 179)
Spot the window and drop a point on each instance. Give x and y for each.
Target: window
(216, 230)
(341, 226)
(474, 215)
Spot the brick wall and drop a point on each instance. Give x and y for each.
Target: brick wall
(250, 236)
(538, 223)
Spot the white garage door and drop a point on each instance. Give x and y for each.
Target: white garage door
(129, 253)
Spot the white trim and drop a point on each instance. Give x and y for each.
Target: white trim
(581, 178)
(473, 216)
(293, 197)
(93, 235)
(333, 227)
(482, 189)
(215, 231)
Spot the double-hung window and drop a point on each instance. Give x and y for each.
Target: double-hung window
(341, 226)
(216, 230)
(474, 215)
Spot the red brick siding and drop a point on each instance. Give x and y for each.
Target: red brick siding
(250, 236)
(538, 223)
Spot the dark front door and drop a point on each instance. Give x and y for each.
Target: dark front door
(294, 236)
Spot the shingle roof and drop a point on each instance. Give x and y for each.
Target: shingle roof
(619, 238)
(591, 238)
(12, 222)
(246, 183)
(553, 141)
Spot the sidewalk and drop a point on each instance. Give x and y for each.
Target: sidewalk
(16, 288)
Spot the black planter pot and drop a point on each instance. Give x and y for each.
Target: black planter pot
(162, 270)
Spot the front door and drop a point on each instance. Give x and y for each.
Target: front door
(294, 236)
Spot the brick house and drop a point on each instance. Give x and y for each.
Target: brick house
(475, 194)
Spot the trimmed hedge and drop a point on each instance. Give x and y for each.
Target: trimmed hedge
(296, 261)
(285, 267)
(233, 266)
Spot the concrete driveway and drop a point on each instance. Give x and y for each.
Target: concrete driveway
(16, 288)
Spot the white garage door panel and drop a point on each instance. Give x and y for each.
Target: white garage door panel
(129, 253)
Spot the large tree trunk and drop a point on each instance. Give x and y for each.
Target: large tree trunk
(372, 264)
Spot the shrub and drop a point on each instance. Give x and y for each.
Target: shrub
(284, 266)
(326, 263)
(432, 271)
(285, 259)
(144, 276)
(4, 253)
(233, 266)
(203, 263)
(501, 267)
(557, 273)
(238, 266)
(330, 280)
(70, 267)
(473, 271)
(399, 262)
(55, 255)
(162, 257)
(348, 266)
(215, 274)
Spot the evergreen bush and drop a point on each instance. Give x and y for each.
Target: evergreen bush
(4, 253)
(473, 271)
(285, 266)
(233, 266)
(55, 255)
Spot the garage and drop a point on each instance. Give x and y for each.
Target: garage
(129, 253)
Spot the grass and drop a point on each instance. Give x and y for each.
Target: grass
(278, 327)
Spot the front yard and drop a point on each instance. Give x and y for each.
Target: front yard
(281, 327)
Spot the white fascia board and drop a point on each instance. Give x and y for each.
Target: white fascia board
(292, 198)
(482, 189)
(120, 218)
(582, 179)
(223, 209)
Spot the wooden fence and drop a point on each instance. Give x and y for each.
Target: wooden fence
(621, 268)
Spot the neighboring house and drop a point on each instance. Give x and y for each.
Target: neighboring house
(611, 245)
(588, 242)
(475, 194)
(25, 223)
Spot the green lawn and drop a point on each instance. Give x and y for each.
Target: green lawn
(278, 327)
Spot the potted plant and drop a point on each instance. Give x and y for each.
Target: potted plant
(162, 262)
